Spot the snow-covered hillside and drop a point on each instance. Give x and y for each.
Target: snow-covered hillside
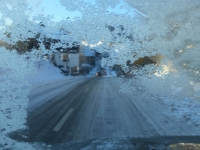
(45, 72)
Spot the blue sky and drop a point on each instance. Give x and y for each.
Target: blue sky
(54, 8)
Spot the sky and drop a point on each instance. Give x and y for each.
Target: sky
(53, 8)
(59, 12)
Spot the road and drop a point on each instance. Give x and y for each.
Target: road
(93, 108)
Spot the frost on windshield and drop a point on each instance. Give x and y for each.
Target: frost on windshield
(173, 34)
(155, 45)
(14, 90)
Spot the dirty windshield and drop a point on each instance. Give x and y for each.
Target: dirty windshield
(99, 74)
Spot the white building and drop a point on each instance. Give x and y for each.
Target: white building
(58, 59)
(73, 63)
(68, 61)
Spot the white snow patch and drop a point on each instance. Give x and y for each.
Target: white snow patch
(45, 72)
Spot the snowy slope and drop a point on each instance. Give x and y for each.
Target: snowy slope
(45, 72)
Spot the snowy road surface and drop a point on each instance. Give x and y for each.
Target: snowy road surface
(90, 108)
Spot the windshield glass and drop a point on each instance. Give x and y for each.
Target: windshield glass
(97, 74)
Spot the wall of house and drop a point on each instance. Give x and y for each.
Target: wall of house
(70, 61)
(73, 62)
(58, 60)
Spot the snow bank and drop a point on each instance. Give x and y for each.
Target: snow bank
(45, 72)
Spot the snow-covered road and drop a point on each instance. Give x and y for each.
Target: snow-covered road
(90, 108)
